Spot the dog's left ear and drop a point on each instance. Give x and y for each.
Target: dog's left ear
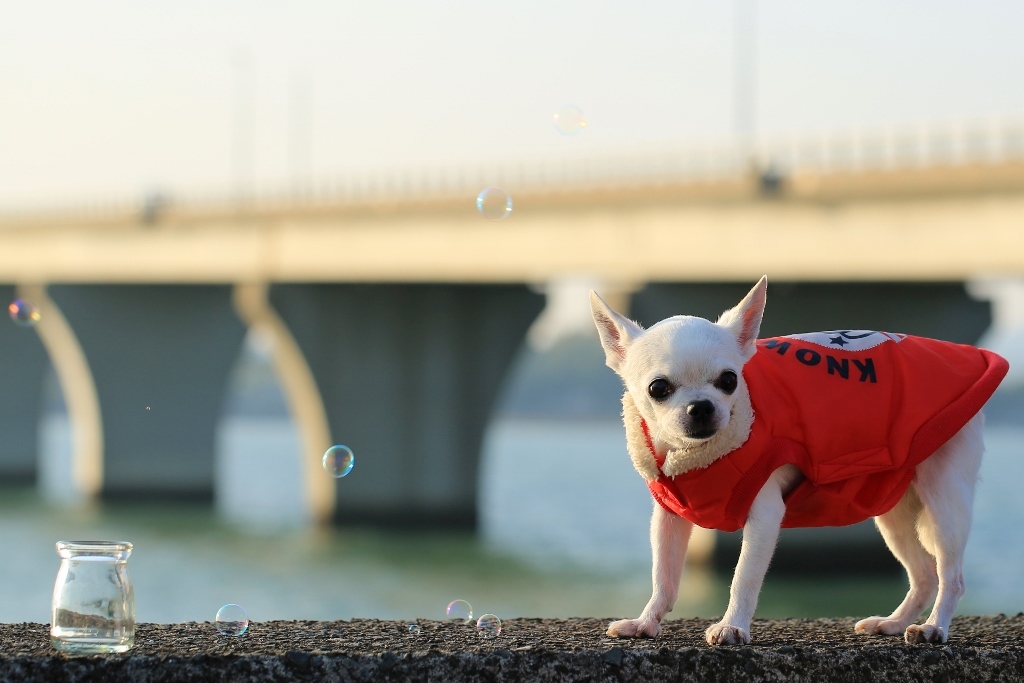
(744, 320)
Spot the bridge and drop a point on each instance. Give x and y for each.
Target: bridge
(394, 309)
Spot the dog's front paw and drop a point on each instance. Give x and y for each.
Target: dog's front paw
(924, 633)
(633, 628)
(880, 626)
(724, 634)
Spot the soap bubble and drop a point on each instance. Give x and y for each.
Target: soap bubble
(24, 313)
(339, 461)
(494, 203)
(414, 629)
(460, 611)
(488, 626)
(569, 120)
(232, 620)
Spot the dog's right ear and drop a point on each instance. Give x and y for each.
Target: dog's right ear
(617, 332)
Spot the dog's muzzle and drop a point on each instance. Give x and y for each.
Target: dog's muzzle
(700, 422)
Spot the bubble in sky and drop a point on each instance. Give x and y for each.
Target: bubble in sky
(488, 626)
(460, 611)
(232, 620)
(569, 120)
(494, 203)
(339, 461)
(24, 313)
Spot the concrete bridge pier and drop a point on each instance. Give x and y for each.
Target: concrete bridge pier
(942, 310)
(408, 375)
(160, 357)
(21, 385)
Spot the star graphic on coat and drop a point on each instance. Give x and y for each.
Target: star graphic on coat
(839, 340)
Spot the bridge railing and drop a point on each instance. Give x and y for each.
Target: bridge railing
(892, 148)
(899, 147)
(923, 146)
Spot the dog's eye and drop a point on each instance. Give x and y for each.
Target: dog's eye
(726, 382)
(660, 389)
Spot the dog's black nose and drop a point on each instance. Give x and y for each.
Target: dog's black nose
(701, 411)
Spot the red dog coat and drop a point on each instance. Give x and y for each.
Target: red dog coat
(854, 410)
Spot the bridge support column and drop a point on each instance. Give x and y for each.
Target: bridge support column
(408, 375)
(21, 385)
(160, 357)
(300, 391)
(79, 392)
(942, 310)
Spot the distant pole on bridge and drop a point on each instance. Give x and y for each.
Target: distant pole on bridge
(242, 125)
(745, 75)
(300, 129)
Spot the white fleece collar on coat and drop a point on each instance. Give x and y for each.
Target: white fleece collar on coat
(680, 460)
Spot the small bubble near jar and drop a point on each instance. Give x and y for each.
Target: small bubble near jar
(93, 608)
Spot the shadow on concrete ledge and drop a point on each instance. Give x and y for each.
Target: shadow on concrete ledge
(980, 649)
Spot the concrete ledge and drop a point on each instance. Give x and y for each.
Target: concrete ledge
(980, 649)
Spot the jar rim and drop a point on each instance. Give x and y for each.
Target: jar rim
(94, 546)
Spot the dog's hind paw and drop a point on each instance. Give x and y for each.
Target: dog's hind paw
(633, 628)
(724, 634)
(880, 626)
(925, 633)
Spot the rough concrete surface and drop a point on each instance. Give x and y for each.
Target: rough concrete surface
(819, 650)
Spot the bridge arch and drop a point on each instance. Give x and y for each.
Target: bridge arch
(159, 357)
(408, 375)
(302, 396)
(78, 388)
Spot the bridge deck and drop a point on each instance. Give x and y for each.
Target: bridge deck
(915, 223)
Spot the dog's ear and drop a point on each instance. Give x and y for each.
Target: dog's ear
(744, 320)
(617, 332)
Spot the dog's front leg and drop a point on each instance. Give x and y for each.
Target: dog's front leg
(760, 534)
(670, 534)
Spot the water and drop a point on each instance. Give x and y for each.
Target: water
(564, 521)
(564, 492)
(66, 640)
(994, 561)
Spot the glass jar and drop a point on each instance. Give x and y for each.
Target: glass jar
(93, 601)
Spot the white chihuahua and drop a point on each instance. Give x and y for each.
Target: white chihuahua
(819, 429)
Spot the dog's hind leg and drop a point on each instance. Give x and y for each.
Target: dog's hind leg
(899, 529)
(945, 483)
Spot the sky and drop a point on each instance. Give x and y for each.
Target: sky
(113, 98)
